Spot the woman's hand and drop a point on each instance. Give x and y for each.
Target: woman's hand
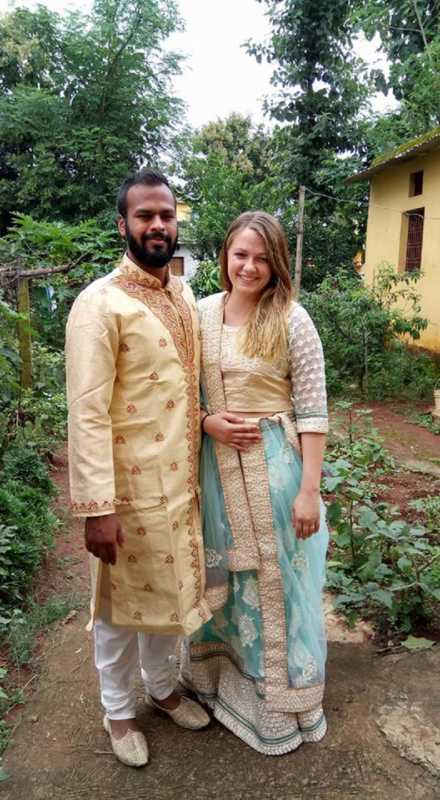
(231, 430)
(306, 513)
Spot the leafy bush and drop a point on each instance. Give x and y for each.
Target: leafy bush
(91, 248)
(22, 464)
(206, 281)
(27, 525)
(361, 329)
(379, 561)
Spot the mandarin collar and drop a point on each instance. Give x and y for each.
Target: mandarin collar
(139, 276)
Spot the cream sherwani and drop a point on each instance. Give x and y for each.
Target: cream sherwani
(133, 395)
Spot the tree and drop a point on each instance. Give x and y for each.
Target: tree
(323, 91)
(83, 100)
(322, 84)
(228, 167)
(409, 31)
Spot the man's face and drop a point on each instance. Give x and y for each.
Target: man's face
(150, 227)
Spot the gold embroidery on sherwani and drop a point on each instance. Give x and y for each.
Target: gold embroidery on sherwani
(160, 386)
(244, 554)
(175, 315)
(92, 506)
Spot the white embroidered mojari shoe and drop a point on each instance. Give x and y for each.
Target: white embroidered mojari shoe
(188, 713)
(131, 749)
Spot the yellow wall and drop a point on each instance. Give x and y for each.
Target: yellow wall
(388, 200)
(183, 211)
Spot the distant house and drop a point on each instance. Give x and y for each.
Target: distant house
(183, 263)
(404, 221)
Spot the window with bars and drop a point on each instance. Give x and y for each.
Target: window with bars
(413, 260)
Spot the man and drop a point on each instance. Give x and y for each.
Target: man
(134, 433)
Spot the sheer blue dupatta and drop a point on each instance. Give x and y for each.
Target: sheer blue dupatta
(217, 535)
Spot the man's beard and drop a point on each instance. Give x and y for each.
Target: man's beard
(151, 257)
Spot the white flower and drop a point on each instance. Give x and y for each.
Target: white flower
(300, 562)
(278, 478)
(213, 558)
(310, 669)
(236, 582)
(295, 621)
(287, 454)
(250, 594)
(247, 630)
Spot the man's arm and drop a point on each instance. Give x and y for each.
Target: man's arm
(92, 343)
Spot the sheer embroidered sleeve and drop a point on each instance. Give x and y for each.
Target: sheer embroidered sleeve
(307, 373)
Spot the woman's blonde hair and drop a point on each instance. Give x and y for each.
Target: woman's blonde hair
(265, 333)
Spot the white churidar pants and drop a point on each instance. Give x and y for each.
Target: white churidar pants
(119, 652)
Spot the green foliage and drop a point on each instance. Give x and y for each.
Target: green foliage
(228, 167)
(361, 330)
(19, 634)
(322, 84)
(84, 99)
(206, 280)
(323, 93)
(91, 249)
(21, 463)
(429, 508)
(27, 525)
(427, 421)
(411, 43)
(18, 630)
(379, 562)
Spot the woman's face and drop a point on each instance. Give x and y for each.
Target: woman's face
(248, 265)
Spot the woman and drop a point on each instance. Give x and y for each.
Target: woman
(259, 663)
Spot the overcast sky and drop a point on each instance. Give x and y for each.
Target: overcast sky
(219, 77)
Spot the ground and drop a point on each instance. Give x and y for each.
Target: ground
(383, 707)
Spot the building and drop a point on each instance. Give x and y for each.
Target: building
(404, 221)
(183, 263)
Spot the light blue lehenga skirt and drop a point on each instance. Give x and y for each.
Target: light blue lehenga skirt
(225, 660)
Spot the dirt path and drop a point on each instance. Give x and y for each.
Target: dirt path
(383, 740)
(411, 444)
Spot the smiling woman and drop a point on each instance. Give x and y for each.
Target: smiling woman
(260, 662)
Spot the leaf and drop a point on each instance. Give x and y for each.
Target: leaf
(417, 643)
(383, 597)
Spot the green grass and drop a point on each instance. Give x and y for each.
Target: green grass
(19, 636)
(23, 629)
(427, 421)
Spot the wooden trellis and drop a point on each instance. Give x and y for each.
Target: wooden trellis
(15, 276)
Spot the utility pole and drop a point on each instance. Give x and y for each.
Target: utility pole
(299, 239)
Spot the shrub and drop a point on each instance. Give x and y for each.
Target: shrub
(27, 524)
(206, 281)
(361, 330)
(22, 464)
(379, 562)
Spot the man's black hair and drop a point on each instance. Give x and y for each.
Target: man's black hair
(145, 176)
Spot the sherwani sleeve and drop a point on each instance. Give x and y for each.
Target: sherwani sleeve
(92, 344)
(307, 373)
